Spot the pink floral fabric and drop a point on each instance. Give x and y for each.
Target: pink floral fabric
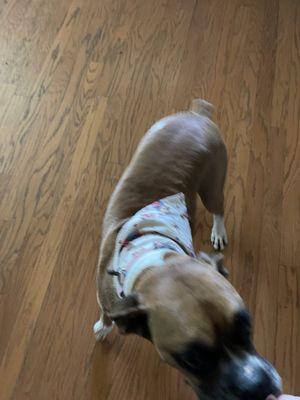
(162, 225)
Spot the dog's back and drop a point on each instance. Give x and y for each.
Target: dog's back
(175, 155)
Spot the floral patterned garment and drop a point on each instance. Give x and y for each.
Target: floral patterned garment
(143, 241)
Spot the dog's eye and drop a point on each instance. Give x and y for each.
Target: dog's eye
(198, 359)
(241, 331)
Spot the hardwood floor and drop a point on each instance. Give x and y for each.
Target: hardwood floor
(80, 82)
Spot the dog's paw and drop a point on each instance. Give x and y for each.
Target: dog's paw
(218, 234)
(101, 330)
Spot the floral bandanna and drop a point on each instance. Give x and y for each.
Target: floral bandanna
(143, 241)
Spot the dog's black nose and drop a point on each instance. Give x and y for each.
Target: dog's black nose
(253, 378)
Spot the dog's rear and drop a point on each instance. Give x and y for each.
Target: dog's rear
(183, 152)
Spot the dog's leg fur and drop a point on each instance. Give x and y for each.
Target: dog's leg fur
(102, 327)
(104, 288)
(211, 193)
(218, 233)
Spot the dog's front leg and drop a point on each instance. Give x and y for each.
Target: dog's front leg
(103, 327)
(218, 233)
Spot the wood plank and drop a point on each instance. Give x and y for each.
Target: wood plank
(34, 291)
(286, 108)
(80, 82)
(40, 144)
(28, 30)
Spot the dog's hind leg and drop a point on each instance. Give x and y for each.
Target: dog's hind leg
(211, 191)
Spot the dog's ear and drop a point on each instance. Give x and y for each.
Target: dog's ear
(131, 316)
(216, 260)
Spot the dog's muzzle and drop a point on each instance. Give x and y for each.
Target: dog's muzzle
(248, 377)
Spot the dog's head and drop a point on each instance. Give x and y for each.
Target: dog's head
(199, 324)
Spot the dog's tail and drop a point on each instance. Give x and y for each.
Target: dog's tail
(202, 107)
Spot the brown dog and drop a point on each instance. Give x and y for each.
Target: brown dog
(181, 302)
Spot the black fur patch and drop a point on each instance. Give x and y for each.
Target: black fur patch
(198, 359)
(130, 316)
(240, 334)
(139, 325)
(134, 323)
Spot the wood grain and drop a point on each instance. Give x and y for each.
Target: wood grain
(80, 82)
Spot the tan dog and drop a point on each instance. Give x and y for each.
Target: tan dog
(182, 303)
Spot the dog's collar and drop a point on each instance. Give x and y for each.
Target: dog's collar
(147, 237)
